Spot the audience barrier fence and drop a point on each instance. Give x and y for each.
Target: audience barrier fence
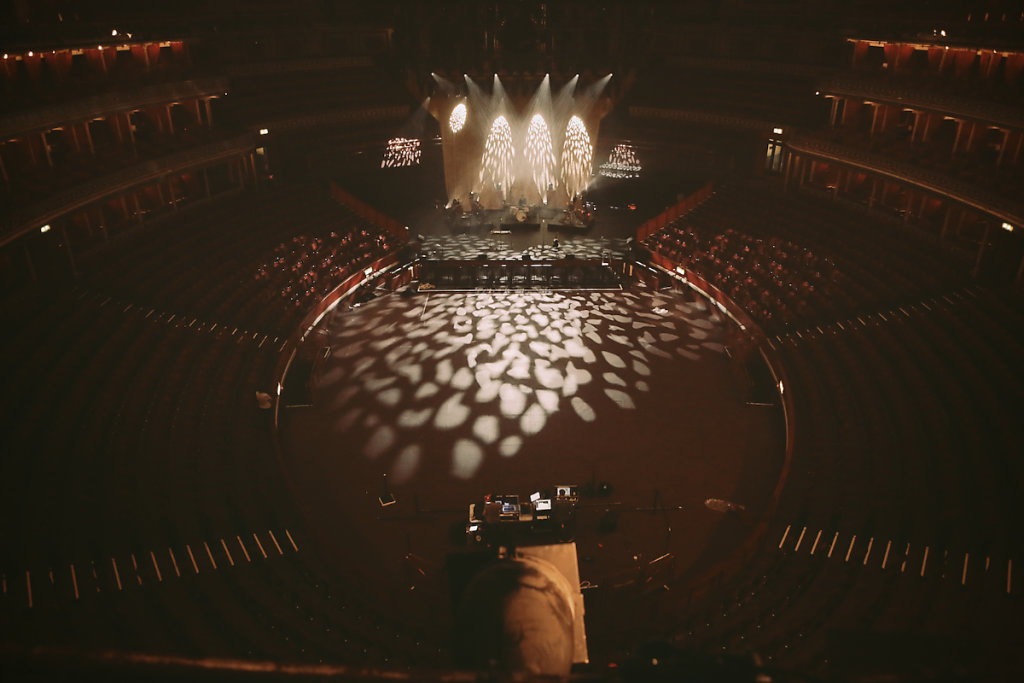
(663, 273)
(291, 346)
(673, 212)
(361, 208)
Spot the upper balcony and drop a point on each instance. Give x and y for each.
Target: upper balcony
(31, 78)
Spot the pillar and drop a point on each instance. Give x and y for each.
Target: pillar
(959, 131)
(71, 255)
(31, 265)
(88, 138)
(46, 150)
(969, 147)
(927, 127)
(981, 249)
(138, 211)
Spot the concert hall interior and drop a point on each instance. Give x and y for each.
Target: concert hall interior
(512, 339)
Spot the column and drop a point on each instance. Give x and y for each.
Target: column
(969, 147)
(927, 127)
(1002, 146)
(46, 150)
(959, 131)
(31, 266)
(88, 221)
(981, 250)
(88, 138)
(945, 223)
(131, 132)
(67, 246)
(138, 211)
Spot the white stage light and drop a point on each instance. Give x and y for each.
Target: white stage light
(496, 164)
(540, 154)
(458, 118)
(577, 156)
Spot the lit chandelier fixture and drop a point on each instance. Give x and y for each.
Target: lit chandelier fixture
(401, 152)
(622, 163)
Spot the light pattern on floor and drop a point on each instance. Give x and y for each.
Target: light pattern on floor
(475, 375)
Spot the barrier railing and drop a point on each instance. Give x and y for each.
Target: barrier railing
(311, 319)
(663, 273)
(673, 212)
(361, 208)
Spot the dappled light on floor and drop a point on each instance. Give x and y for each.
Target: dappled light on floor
(484, 372)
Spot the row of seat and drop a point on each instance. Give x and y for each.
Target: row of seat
(133, 401)
(905, 436)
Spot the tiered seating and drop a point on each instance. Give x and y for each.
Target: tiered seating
(903, 387)
(133, 408)
(774, 280)
(799, 262)
(306, 269)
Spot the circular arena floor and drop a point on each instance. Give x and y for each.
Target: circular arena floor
(456, 395)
